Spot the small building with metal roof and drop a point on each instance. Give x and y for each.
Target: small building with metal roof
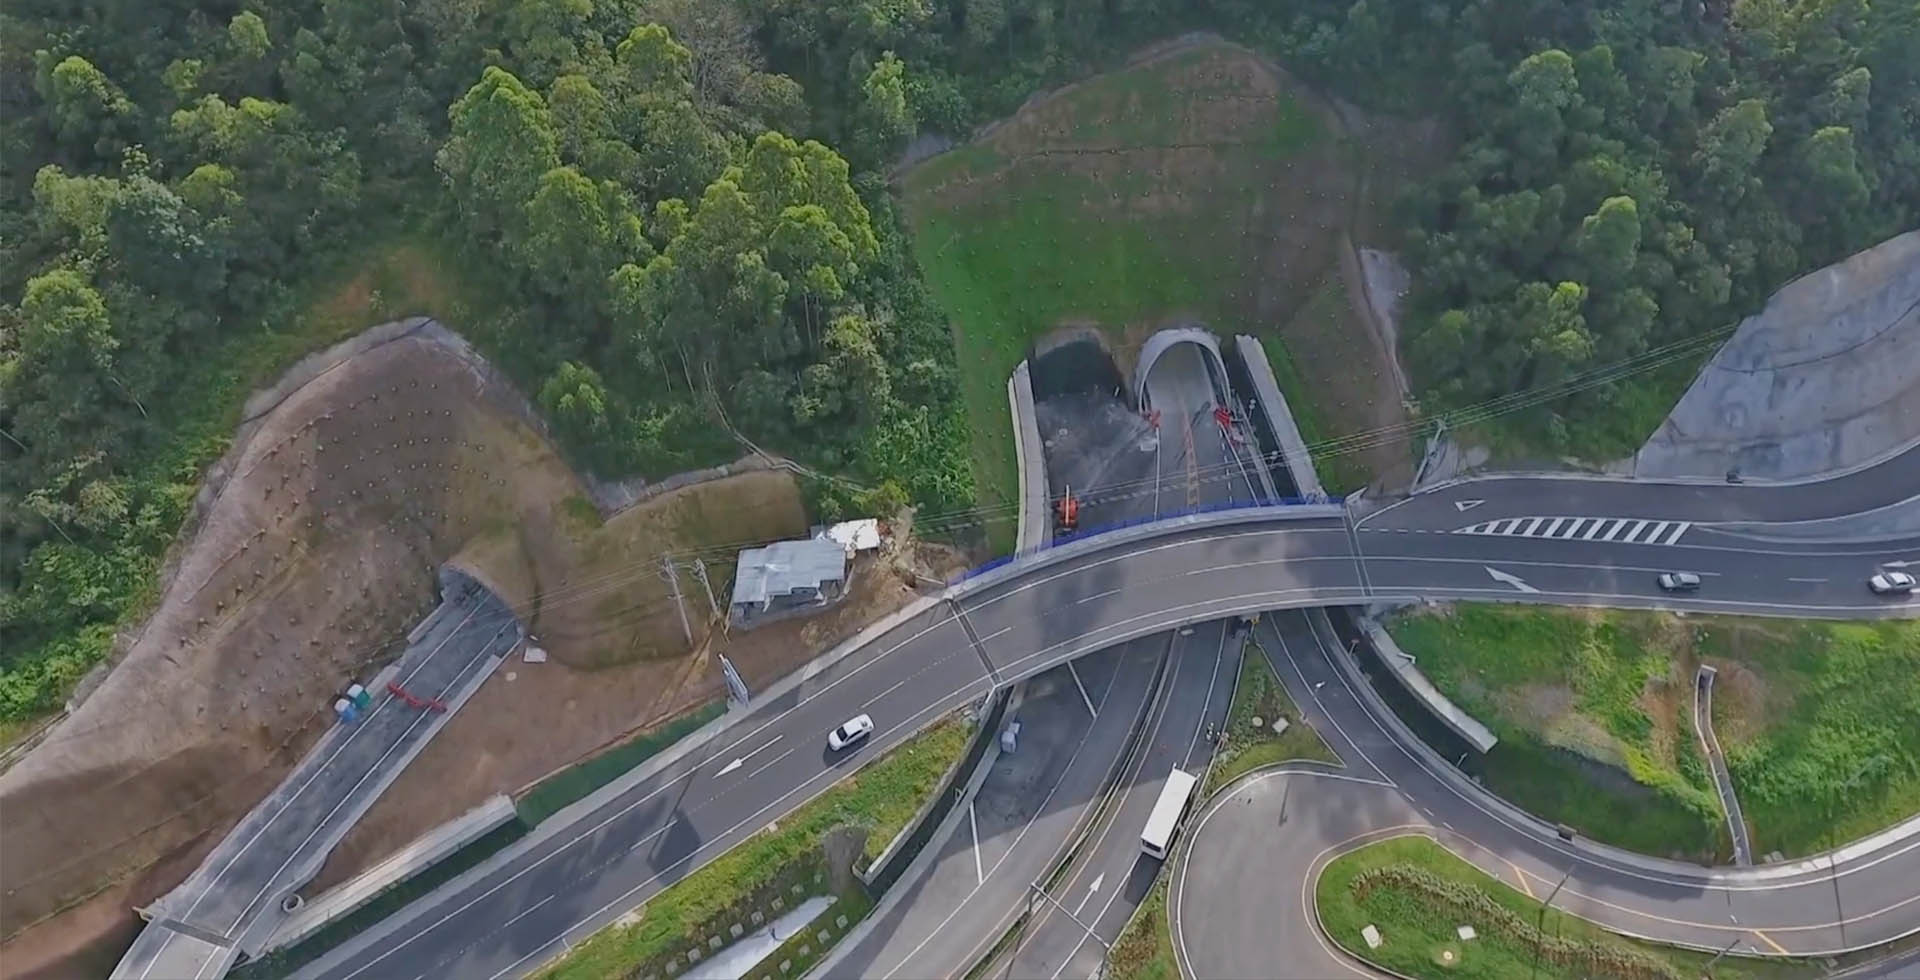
(787, 578)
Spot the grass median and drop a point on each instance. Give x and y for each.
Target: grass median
(1820, 720)
(1417, 894)
(576, 782)
(1259, 701)
(878, 799)
(1144, 950)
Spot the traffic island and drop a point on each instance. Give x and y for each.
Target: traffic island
(1408, 907)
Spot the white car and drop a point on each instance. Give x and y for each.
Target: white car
(1891, 583)
(855, 729)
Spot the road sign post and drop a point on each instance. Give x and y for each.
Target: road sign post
(736, 688)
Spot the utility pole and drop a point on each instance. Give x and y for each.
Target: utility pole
(1708, 969)
(700, 572)
(1540, 923)
(673, 582)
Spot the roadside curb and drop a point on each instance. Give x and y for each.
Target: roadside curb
(929, 852)
(573, 813)
(1584, 849)
(1069, 848)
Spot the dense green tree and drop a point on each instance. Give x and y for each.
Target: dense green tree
(1609, 241)
(502, 143)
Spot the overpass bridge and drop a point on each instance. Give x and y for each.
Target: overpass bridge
(1024, 617)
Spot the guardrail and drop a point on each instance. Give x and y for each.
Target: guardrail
(1086, 534)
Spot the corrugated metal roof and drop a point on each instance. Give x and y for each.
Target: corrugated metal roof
(783, 566)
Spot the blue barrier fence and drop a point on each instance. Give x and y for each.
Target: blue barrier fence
(1092, 532)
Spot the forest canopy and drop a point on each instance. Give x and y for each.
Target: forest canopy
(684, 206)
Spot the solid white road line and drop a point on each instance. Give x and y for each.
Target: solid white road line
(1083, 690)
(763, 766)
(979, 874)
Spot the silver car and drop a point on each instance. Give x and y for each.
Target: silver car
(1891, 583)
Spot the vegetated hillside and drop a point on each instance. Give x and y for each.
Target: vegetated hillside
(1820, 720)
(1197, 184)
(657, 228)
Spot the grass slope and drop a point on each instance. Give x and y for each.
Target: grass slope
(1418, 932)
(1192, 187)
(1820, 720)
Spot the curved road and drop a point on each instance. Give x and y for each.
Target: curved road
(1242, 893)
(1039, 612)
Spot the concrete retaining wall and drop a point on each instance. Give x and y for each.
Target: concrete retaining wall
(1036, 526)
(1280, 417)
(424, 852)
(1416, 683)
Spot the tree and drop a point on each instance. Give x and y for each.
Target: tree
(59, 385)
(885, 120)
(247, 37)
(576, 400)
(1609, 241)
(502, 144)
(1730, 148)
(85, 109)
(160, 243)
(577, 233)
(582, 115)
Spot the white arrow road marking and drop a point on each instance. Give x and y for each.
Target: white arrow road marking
(742, 760)
(1510, 579)
(1098, 880)
(1466, 505)
(1895, 564)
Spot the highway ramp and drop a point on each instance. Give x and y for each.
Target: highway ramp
(233, 901)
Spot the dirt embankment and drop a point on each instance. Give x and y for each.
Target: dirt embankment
(314, 554)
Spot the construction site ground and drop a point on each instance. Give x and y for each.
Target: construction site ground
(315, 556)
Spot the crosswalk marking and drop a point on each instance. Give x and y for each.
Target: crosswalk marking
(1619, 530)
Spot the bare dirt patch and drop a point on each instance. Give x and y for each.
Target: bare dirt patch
(310, 563)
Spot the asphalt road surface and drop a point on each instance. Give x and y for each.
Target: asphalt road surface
(1067, 935)
(231, 902)
(1033, 615)
(1030, 806)
(1450, 506)
(1241, 897)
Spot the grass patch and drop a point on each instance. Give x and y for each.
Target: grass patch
(576, 782)
(1259, 695)
(284, 962)
(1416, 893)
(1340, 473)
(1820, 720)
(1157, 193)
(1144, 950)
(883, 795)
(854, 903)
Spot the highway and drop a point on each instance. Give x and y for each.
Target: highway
(1026, 617)
(1032, 615)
